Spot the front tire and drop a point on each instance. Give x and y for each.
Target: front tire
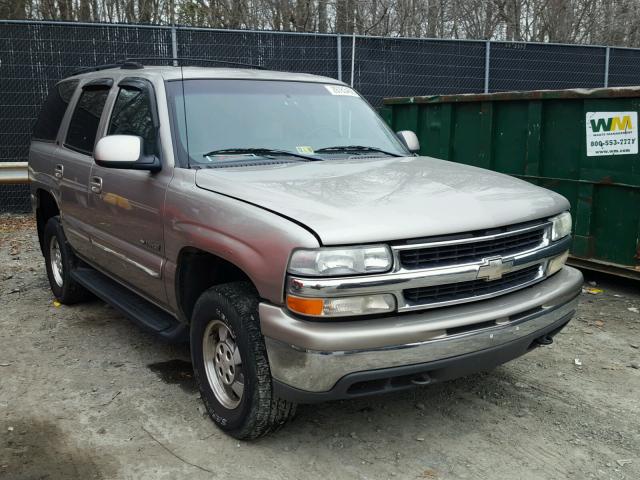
(60, 261)
(230, 363)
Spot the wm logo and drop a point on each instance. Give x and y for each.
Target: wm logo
(611, 124)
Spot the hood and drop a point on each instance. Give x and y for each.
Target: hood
(371, 200)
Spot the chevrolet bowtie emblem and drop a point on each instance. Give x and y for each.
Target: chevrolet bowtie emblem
(494, 268)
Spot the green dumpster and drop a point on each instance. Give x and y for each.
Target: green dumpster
(581, 143)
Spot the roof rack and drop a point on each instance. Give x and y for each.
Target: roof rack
(96, 69)
(179, 60)
(133, 63)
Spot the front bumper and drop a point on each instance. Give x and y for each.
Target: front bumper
(319, 360)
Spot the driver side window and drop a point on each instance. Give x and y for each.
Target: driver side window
(132, 116)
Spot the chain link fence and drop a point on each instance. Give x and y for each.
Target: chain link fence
(522, 66)
(389, 67)
(35, 55)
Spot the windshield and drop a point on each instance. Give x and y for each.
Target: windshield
(282, 116)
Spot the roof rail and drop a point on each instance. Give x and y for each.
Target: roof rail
(134, 63)
(96, 68)
(179, 61)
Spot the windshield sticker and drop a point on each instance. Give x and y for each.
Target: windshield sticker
(305, 149)
(341, 90)
(612, 133)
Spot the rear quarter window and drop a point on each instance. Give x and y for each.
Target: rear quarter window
(53, 110)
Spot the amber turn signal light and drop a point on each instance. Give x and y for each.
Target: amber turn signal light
(305, 306)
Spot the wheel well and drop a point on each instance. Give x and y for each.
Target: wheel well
(47, 208)
(199, 270)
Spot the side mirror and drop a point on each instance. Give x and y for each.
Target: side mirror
(124, 151)
(410, 140)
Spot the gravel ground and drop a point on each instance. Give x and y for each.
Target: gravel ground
(85, 394)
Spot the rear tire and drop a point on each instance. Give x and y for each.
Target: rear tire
(60, 261)
(230, 363)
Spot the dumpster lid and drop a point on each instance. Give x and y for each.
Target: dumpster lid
(615, 92)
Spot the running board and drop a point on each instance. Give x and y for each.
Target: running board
(141, 311)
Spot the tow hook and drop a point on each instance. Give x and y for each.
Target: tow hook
(421, 379)
(544, 340)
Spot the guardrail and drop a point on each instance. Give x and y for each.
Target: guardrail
(14, 173)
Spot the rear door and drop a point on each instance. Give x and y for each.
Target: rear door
(74, 161)
(128, 204)
(44, 153)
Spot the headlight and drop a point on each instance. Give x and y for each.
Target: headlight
(556, 263)
(342, 306)
(325, 262)
(561, 226)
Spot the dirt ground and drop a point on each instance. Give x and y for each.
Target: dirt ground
(86, 394)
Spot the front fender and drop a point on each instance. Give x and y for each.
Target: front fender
(255, 240)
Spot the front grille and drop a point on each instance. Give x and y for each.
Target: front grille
(468, 290)
(443, 255)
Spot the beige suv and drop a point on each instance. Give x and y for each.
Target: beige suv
(275, 222)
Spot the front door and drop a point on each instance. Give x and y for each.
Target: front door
(128, 204)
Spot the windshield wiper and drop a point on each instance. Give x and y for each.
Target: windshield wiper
(260, 151)
(356, 148)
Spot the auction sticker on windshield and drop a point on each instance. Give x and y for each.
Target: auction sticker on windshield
(341, 90)
(612, 133)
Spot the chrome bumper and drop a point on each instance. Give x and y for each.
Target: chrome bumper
(313, 355)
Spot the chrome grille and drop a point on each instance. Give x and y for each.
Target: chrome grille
(469, 290)
(470, 250)
(450, 270)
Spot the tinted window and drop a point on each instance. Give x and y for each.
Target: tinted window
(86, 117)
(132, 116)
(53, 110)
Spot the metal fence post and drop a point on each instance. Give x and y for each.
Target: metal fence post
(487, 61)
(174, 45)
(339, 52)
(606, 67)
(353, 57)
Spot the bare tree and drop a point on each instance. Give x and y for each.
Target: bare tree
(610, 22)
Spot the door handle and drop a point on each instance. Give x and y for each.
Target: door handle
(58, 171)
(96, 184)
